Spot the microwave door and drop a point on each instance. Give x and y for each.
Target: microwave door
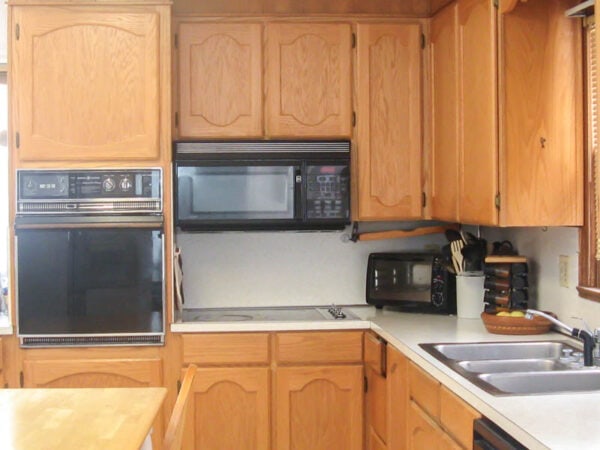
(237, 194)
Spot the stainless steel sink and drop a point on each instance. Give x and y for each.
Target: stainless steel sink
(475, 351)
(511, 365)
(584, 380)
(517, 368)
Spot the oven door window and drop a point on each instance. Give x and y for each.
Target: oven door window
(236, 193)
(90, 281)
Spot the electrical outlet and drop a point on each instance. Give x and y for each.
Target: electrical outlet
(563, 270)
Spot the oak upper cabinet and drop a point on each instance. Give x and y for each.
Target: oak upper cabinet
(318, 391)
(478, 148)
(445, 114)
(388, 161)
(220, 79)
(308, 79)
(510, 85)
(230, 399)
(86, 82)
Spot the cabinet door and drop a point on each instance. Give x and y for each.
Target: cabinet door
(445, 122)
(541, 170)
(319, 408)
(478, 183)
(229, 409)
(397, 392)
(308, 75)
(425, 434)
(86, 83)
(376, 411)
(220, 80)
(389, 121)
(92, 373)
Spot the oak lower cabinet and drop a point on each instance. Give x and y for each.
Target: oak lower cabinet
(436, 418)
(89, 82)
(2, 378)
(389, 148)
(261, 78)
(397, 398)
(507, 113)
(376, 396)
(285, 390)
(94, 373)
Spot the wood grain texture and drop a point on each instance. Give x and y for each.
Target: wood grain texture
(389, 121)
(456, 417)
(478, 183)
(226, 348)
(88, 83)
(425, 434)
(319, 408)
(220, 79)
(230, 409)
(444, 85)
(308, 79)
(541, 150)
(375, 442)
(424, 390)
(102, 419)
(318, 347)
(398, 396)
(375, 403)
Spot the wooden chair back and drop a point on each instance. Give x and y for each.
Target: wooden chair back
(174, 433)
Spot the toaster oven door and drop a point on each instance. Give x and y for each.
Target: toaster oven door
(396, 280)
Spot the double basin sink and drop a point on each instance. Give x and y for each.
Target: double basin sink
(518, 368)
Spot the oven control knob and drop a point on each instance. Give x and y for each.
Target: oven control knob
(125, 184)
(108, 185)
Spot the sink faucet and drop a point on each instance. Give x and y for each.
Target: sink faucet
(587, 338)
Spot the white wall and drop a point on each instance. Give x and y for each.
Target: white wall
(543, 247)
(277, 269)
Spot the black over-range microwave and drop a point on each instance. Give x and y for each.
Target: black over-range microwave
(262, 185)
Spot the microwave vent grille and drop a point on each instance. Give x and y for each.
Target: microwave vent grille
(262, 147)
(88, 207)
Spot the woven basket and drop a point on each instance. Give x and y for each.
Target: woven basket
(515, 325)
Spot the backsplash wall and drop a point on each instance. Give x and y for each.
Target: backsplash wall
(543, 248)
(278, 269)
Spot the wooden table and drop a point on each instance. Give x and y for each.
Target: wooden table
(99, 418)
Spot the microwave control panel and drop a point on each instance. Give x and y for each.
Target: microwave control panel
(328, 192)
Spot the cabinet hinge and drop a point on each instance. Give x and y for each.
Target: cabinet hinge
(353, 40)
(17, 140)
(21, 379)
(176, 119)
(423, 199)
(176, 40)
(497, 200)
(366, 384)
(353, 118)
(423, 40)
(17, 31)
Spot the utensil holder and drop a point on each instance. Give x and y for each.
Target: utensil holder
(469, 295)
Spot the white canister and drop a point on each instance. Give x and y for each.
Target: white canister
(469, 295)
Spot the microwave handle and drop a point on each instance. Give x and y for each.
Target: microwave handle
(298, 184)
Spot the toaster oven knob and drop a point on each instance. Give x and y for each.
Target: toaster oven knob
(125, 184)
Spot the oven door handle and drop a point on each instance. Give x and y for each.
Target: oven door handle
(39, 222)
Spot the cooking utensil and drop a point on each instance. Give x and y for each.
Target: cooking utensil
(453, 235)
(457, 257)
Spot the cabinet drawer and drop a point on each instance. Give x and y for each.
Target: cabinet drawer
(424, 390)
(457, 418)
(319, 347)
(375, 353)
(226, 348)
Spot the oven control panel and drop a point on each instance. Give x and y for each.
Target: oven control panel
(89, 191)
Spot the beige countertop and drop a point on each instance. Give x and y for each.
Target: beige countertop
(557, 421)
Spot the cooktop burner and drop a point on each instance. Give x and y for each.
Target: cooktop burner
(274, 314)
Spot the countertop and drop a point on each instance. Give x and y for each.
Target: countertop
(557, 421)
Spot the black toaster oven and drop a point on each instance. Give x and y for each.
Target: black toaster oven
(411, 282)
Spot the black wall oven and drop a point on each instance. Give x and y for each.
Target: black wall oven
(89, 249)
